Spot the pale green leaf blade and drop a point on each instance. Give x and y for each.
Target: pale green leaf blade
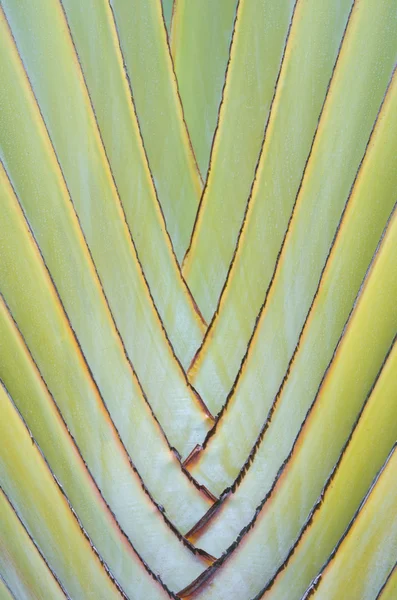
(33, 400)
(389, 590)
(5, 592)
(343, 391)
(144, 44)
(365, 453)
(349, 117)
(92, 26)
(168, 7)
(40, 177)
(45, 511)
(200, 43)
(34, 305)
(358, 234)
(369, 549)
(258, 43)
(316, 34)
(24, 569)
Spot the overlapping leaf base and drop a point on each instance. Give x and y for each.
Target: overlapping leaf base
(198, 299)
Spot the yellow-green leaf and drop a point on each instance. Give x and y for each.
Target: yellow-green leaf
(201, 38)
(259, 38)
(369, 549)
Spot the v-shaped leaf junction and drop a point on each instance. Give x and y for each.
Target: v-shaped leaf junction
(198, 282)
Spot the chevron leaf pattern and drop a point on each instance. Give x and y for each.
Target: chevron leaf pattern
(198, 315)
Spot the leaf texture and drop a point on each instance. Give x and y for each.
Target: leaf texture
(198, 273)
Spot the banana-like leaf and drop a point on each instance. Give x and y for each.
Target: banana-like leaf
(369, 548)
(389, 589)
(116, 380)
(5, 592)
(341, 138)
(361, 459)
(45, 512)
(32, 398)
(56, 228)
(347, 382)
(147, 57)
(257, 49)
(83, 160)
(198, 282)
(36, 309)
(316, 33)
(168, 8)
(356, 241)
(92, 26)
(346, 125)
(201, 37)
(23, 567)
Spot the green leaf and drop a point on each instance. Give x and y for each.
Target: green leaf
(5, 593)
(24, 569)
(258, 43)
(344, 130)
(168, 7)
(367, 552)
(363, 456)
(149, 67)
(389, 589)
(311, 52)
(198, 385)
(92, 26)
(355, 243)
(201, 38)
(324, 432)
(41, 413)
(38, 313)
(38, 181)
(46, 513)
